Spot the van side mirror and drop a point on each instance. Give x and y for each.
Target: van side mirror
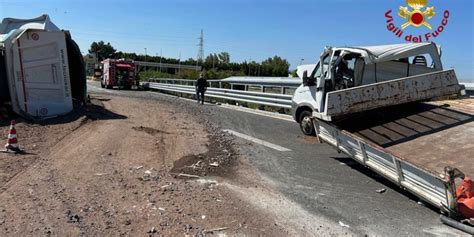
(308, 81)
(305, 78)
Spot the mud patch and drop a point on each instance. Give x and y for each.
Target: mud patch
(219, 160)
(151, 131)
(308, 139)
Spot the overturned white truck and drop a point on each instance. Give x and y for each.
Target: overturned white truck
(42, 67)
(372, 103)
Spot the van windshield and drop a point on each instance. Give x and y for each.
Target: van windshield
(317, 72)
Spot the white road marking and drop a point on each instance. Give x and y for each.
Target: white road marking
(256, 140)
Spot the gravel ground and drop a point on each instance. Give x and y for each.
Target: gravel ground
(126, 166)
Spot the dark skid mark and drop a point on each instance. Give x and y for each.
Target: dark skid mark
(151, 131)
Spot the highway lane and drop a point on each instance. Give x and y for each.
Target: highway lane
(324, 182)
(319, 179)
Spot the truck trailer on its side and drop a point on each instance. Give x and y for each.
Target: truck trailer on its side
(41, 68)
(372, 104)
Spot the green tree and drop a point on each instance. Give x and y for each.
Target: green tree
(224, 58)
(102, 50)
(276, 67)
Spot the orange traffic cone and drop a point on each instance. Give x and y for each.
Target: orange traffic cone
(12, 142)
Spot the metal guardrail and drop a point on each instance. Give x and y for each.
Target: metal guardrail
(216, 89)
(237, 89)
(261, 98)
(289, 82)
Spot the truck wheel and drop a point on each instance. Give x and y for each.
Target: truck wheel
(306, 124)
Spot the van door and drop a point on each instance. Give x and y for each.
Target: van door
(320, 74)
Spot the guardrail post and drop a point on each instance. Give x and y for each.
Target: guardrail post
(282, 90)
(220, 84)
(246, 87)
(262, 88)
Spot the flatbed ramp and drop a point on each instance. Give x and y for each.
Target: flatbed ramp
(410, 144)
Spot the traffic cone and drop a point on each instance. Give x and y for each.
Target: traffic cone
(12, 142)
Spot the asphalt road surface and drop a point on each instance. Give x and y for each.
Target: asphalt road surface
(316, 177)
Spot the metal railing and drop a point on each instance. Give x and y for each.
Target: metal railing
(261, 98)
(238, 89)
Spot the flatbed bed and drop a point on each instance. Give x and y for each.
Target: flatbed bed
(429, 135)
(410, 144)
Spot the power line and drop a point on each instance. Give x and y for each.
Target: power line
(200, 57)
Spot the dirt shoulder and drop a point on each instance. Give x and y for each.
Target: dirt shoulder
(137, 166)
(123, 168)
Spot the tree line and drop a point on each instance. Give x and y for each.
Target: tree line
(215, 65)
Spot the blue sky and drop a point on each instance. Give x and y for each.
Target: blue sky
(292, 29)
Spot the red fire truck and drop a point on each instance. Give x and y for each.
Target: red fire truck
(118, 72)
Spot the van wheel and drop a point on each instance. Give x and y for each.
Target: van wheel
(306, 124)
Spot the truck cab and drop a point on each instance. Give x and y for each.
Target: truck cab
(348, 80)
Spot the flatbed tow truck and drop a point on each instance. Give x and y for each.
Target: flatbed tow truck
(408, 129)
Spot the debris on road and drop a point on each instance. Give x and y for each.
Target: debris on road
(152, 230)
(186, 175)
(196, 165)
(72, 217)
(343, 225)
(100, 174)
(421, 203)
(211, 231)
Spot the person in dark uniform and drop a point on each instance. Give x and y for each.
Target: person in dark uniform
(201, 86)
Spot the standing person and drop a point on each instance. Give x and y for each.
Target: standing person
(201, 86)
